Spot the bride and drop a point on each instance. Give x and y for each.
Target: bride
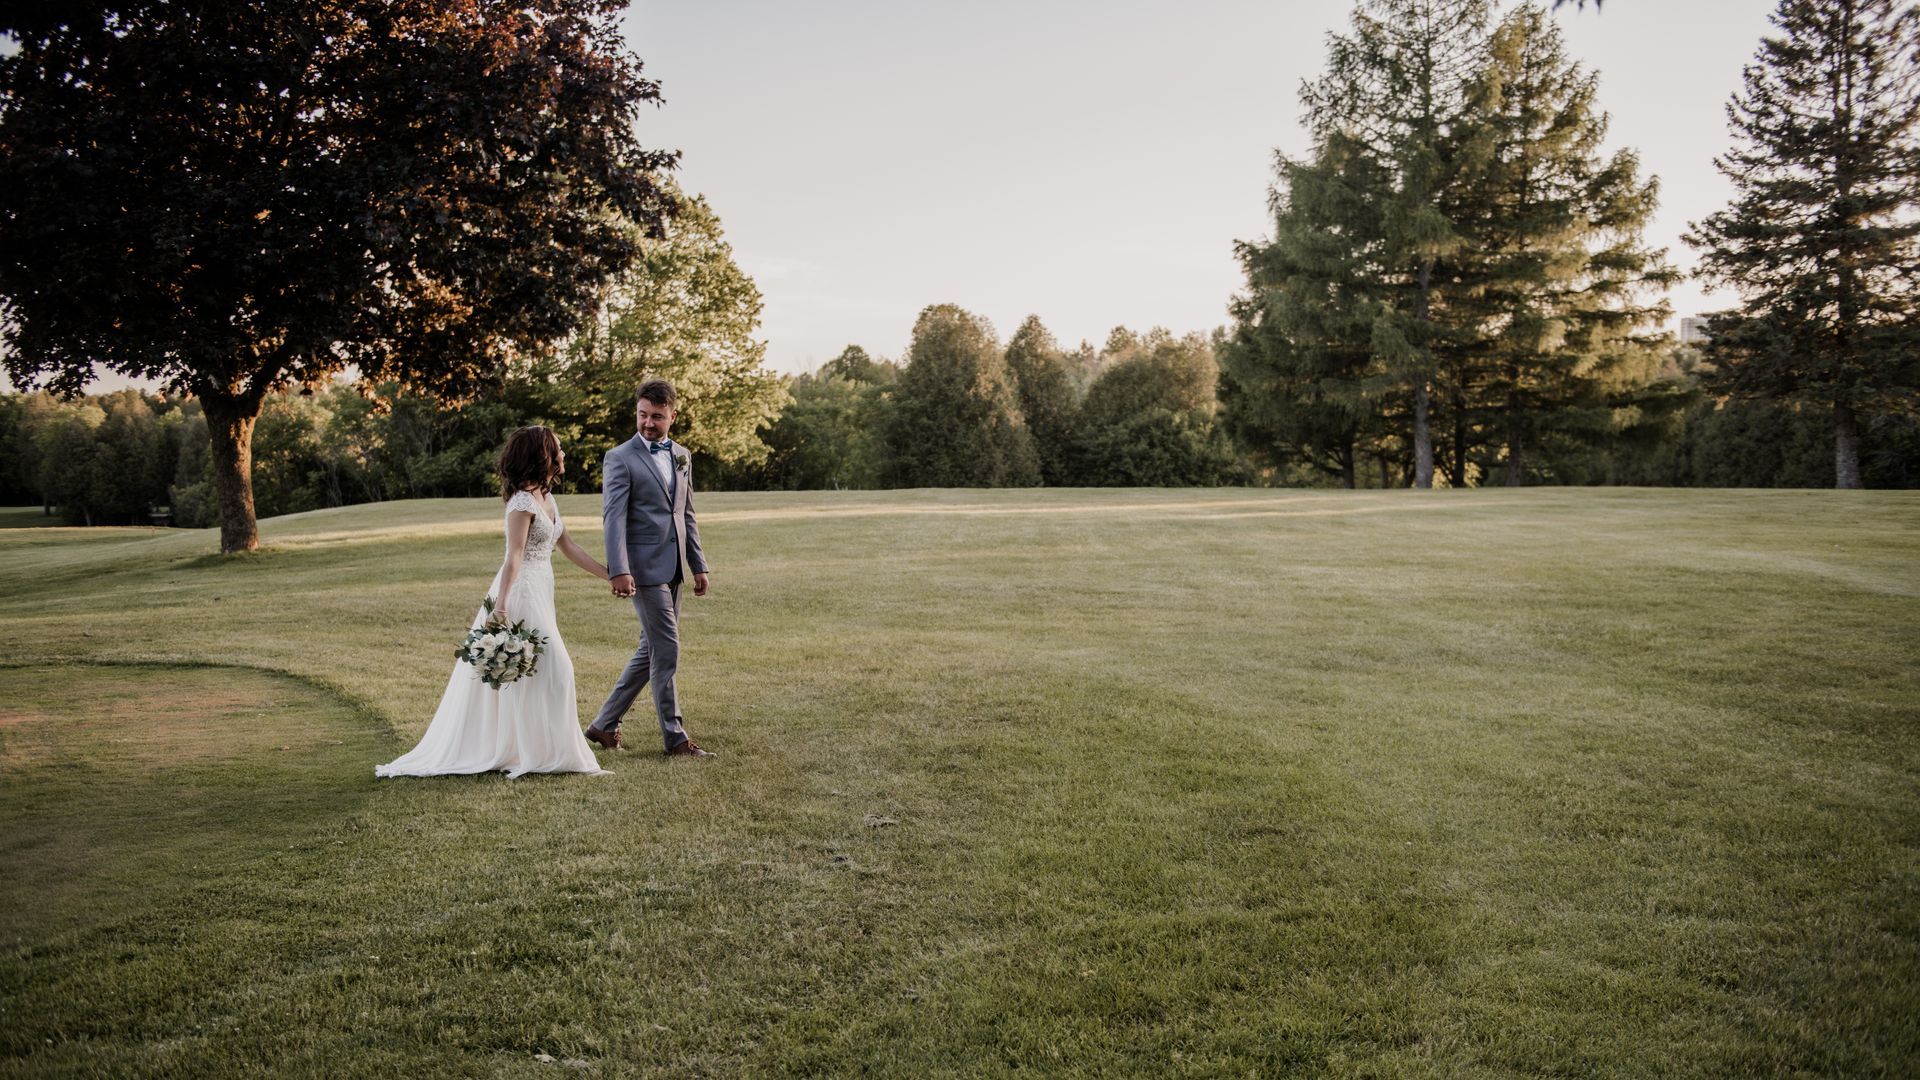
(532, 725)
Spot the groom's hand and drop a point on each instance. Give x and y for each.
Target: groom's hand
(622, 586)
(699, 584)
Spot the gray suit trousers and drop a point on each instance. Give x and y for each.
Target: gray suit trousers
(656, 660)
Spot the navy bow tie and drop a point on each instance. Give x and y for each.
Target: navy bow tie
(656, 447)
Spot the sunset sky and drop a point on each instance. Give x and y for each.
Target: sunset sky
(1089, 161)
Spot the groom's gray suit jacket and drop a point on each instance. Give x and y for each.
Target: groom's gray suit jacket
(650, 531)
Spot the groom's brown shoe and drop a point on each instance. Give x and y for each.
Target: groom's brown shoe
(688, 749)
(606, 740)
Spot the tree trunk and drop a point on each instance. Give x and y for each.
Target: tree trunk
(1422, 435)
(1457, 471)
(1422, 390)
(1346, 466)
(1846, 447)
(1386, 478)
(230, 429)
(1516, 472)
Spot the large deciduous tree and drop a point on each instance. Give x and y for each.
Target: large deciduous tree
(235, 197)
(684, 312)
(1820, 240)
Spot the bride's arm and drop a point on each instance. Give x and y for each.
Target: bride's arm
(518, 524)
(580, 557)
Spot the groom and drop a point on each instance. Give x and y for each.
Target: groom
(646, 513)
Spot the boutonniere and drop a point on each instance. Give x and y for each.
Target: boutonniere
(680, 458)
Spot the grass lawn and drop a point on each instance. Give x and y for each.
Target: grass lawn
(25, 517)
(1214, 783)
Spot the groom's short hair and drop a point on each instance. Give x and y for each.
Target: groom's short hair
(658, 391)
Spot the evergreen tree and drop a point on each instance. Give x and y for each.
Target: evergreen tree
(956, 420)
(1393, 96)
(1564, 299)
(1300, 380)
(1043, 379)
(1820, 241)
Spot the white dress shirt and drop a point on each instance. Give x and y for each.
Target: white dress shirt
(663, 464)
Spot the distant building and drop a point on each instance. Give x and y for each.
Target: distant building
(1693, 330)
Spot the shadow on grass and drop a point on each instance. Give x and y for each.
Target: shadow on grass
(141, 797)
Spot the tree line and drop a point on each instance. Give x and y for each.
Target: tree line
(1142, 409)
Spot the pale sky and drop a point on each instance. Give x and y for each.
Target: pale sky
(1089, 161)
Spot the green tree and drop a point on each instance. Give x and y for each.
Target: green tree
(191, 493)
(855, 365)
(131, 461)
(684, 312)
(1044, 381)
(238, 198)
(1393, 97)
(66, 448)
(30, 414)
(289, 455)
(1820, 240)
(1563, 297)
(1301, 382)
(1149, 418)
(831, 434)
(956, 418)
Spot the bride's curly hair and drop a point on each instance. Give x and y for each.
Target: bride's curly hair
(531, 458)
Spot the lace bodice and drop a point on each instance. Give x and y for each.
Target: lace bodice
(545, 530)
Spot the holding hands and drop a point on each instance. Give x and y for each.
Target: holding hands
(623, 586)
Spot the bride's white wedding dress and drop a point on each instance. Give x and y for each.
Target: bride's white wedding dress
(532, 725)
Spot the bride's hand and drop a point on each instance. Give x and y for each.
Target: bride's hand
(500, 615)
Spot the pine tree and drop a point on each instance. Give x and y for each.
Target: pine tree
(955, 420)
(1394, 95)
(1565, 297)
(1300, 381)
(1820, 240)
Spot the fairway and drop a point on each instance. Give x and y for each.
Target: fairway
(1134, 782)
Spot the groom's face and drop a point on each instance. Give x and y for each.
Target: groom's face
(653, 421)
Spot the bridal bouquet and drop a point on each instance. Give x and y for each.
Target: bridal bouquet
(501, 654)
